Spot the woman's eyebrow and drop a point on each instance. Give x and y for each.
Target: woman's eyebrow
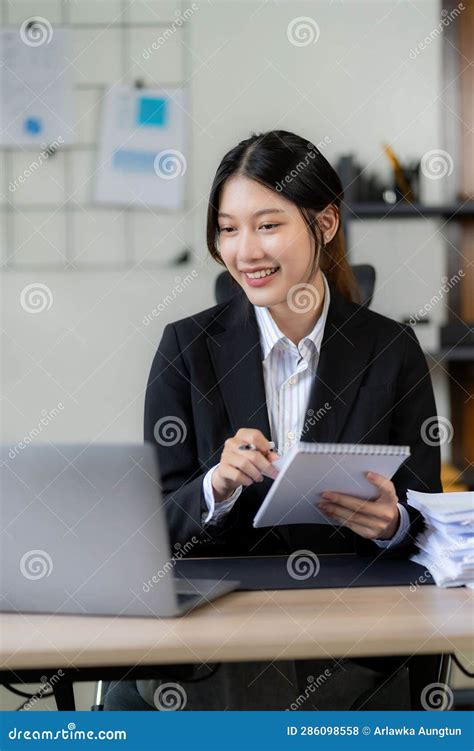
(257, 213)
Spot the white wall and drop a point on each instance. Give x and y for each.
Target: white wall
(357, 86)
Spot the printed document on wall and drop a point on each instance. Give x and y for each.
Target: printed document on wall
(36, 85)
(142, 151)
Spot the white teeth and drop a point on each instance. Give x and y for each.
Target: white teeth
(260, 274)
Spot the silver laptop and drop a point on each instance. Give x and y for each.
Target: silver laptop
(83, 530)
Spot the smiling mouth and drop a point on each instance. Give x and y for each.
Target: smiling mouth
(262, 273)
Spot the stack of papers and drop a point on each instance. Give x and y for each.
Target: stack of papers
(447, 544)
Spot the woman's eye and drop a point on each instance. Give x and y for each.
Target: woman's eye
(269, 226)
(225, 229)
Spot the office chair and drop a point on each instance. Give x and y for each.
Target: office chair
(226, 287)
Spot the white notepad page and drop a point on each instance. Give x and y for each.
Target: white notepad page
(308, 469)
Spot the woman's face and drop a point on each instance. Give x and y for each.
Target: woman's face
(262, 232)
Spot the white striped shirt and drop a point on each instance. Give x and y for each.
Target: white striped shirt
(288, 374)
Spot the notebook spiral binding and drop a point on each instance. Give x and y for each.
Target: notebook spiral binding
(365, 449)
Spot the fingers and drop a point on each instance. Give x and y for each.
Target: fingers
(261, 458)
(251, 435)
(341, 514)
(234, 475)
(381, 482)
(350, 502)
(246, 467)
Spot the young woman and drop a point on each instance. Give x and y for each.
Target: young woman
(291, 355)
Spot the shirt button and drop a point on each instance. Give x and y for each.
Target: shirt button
(290, 435)
(292, 381)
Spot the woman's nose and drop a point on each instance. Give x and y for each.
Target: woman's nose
(249, 250)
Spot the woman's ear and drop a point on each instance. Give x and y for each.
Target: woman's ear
(328, 220)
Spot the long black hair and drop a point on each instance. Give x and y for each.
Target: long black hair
(294, 168)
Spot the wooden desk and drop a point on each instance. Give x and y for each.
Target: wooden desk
(271, 625)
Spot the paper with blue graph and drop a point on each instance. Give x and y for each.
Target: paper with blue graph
(142, 154)
(36, 86)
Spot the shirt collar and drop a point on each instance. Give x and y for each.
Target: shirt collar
(271, 335)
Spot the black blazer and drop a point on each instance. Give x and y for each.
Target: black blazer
(207, 380)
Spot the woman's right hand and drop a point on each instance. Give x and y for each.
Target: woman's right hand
(243, 467)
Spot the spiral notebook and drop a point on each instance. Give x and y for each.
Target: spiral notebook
(308, 469)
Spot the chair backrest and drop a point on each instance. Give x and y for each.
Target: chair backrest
(226, 287)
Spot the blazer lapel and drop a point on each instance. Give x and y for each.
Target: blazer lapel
(345, 352)
(237, 359)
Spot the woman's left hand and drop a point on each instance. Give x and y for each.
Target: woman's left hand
(377, 519)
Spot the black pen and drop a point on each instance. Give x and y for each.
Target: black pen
(252, 447)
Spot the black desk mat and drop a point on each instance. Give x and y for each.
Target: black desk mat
(273, 572)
